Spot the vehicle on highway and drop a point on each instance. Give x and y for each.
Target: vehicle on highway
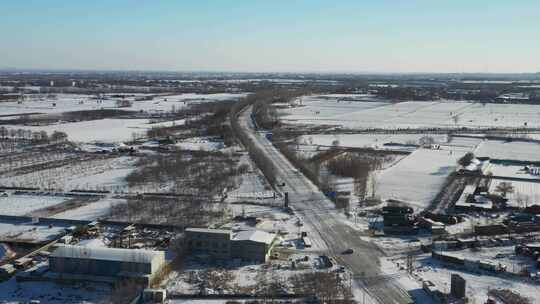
(347, 251)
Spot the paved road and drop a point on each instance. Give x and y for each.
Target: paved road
(330, 232)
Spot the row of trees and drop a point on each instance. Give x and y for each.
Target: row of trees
(187, 211)
(359, 168)
(256, 154)
(205, 173)
(37, 136)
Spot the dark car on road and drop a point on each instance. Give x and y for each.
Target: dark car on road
(348, 251)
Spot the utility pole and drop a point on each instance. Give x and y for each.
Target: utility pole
(410, 261)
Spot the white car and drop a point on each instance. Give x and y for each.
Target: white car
(4, 194)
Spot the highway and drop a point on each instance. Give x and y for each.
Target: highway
(328, 230)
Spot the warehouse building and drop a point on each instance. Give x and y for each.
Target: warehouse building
(251, 245)
(95, 263)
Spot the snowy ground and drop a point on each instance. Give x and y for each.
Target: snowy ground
(23, 204)
(253, 186)
(270, 219)
(78, 102)
(242, 277)
(477, 283)
(512, 171)
(92, 211)
(515, 150)
(376, 141)
(528, 192)
(320, 110)
(418, 178)
(29, 232)
(100, 174)
(64, 103)
(504, 255)
(200, 144)
(413, 114)
(109, 130)
(13, 292)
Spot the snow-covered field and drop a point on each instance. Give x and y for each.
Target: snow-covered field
(464, 143)
(107, 130)
(12, 292)
(78, 102)
(418, 178)
(100, 174)
(30, 232)
(23, 204)
(193, 97)
(375, 141)
(92, 211)
(512, 171)
(200, 144)
(323, 110)
(515, 150)
(413, 114)
(44, 105)
(528, 192)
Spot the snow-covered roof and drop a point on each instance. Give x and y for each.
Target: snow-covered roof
(108, 254)
(255, 236)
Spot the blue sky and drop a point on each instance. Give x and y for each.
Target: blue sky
(273, 35)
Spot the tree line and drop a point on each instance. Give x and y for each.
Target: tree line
(35, 136)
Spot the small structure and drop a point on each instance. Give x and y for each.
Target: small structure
(88, 263)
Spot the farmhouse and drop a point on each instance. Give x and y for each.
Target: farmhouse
(88, 262)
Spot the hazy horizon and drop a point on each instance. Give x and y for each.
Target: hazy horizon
(272, 37)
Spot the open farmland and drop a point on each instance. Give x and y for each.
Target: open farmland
(105, 130)
(59, 103)
(99, 173)
(524, 193)
(418, 178)
(23, 204)
(512, 171)
(510, 150)
(409, 115)
(92, 211)
(375, 141)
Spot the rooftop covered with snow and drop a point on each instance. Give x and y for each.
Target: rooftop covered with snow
(107, 254)
(254, 236)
